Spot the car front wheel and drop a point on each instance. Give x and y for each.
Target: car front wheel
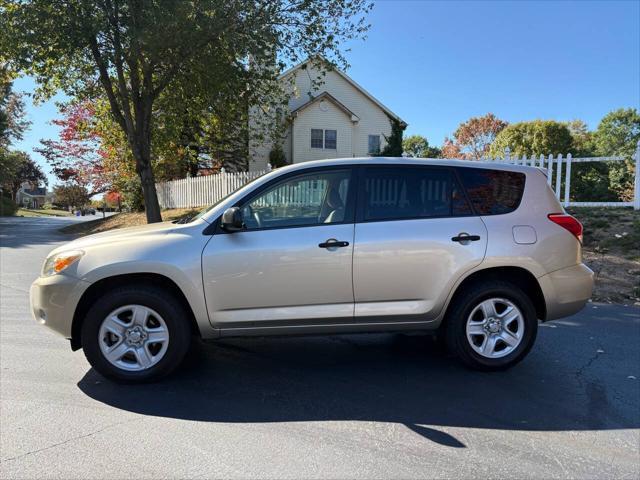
(136, 334)
(491, 326)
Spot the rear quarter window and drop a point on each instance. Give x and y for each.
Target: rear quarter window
(493, 192)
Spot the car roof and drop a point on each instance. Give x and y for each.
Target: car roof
(409, 161)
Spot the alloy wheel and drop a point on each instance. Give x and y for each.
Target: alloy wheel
(495, 328)
(133, 338)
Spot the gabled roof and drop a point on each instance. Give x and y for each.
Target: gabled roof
(350, 81)
(332, 99)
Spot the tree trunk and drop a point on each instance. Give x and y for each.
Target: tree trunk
(141, 146)
(151, 204)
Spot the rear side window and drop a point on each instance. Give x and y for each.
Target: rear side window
(493, 192)
(393, 193)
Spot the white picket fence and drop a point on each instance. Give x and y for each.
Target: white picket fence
(206, 190)
(200, 191)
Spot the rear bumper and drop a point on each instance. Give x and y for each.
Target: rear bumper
(566, 291)
(54, 300)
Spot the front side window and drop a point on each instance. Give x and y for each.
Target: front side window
(393, 193)
(493, 192)
(374, 144)
(316, 138)
(330, 139)
(307, 199)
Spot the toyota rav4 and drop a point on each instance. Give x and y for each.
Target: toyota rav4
(477, 253)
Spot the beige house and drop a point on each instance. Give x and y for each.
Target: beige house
(30, 196)
(335, 119)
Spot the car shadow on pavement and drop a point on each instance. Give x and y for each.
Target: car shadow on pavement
(404, 379)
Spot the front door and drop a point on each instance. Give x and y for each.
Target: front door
(291, 264)
(411, 241)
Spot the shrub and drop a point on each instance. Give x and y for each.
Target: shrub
(131, 190)
(393, 148)
(277, 157)
(7, 207)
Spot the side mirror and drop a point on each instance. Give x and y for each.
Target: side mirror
(232, 220)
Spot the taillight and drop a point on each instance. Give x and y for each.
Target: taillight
(567, 222)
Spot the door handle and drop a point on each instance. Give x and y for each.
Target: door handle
(333, 243)
(465, 237)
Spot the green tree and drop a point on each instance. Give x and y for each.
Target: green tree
(533, 138)
(5, 85)
(418, 146)
(393, 148)
(589, 180)
(131, 52)
(19, 168)
(9, 165)
(617, 135)
(582, 141)
(12, 110)
(70, 195)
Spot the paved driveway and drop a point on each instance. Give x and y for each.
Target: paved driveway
(340, 407)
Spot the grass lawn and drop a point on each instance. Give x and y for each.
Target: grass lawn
(611, 245)
(25, 212)
(123, 220)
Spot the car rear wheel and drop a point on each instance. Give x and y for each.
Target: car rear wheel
(491, 326)
(136, 334)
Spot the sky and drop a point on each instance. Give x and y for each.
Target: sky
(436, 64)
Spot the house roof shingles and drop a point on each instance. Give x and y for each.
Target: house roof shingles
(36, 192)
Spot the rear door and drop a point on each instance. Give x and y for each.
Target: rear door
(415, 236)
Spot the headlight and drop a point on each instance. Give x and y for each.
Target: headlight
(60, 261)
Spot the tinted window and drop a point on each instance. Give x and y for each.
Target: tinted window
(493, 192)
(307, 199)
(390, 193)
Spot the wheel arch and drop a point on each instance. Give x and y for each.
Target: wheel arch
(520, 277)
(107, 283)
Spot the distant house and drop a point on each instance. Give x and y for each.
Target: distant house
(336, 119)
(29, 196)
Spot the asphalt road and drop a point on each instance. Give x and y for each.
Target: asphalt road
(369, 406)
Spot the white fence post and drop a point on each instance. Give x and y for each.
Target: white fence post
(558, 176)
(567, 181)
(549, 168)
(636, 182)
(189, 191)
(507, 155)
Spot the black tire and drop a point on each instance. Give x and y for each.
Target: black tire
(463, 305)
(155, 298)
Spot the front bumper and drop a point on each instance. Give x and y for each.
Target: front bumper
(566, 291)
(54, 300)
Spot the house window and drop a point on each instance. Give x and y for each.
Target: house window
(330, 139)
(316, 138)
(327, 139)
(374, 143)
